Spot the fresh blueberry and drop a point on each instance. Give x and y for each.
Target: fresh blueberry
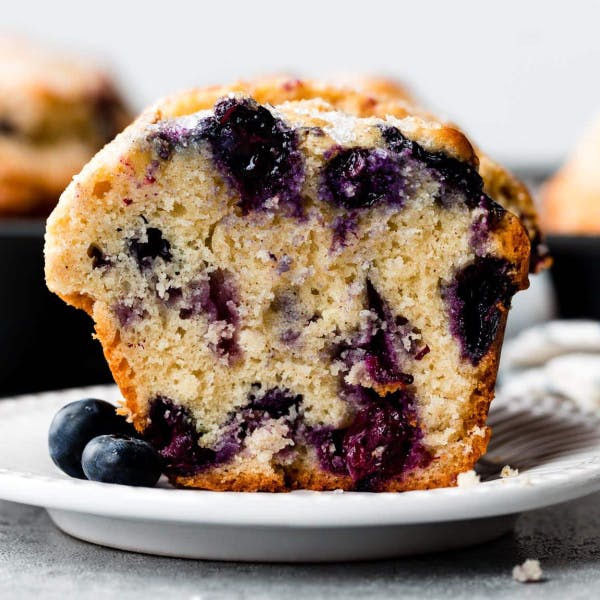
(121, 459)
(74, 425)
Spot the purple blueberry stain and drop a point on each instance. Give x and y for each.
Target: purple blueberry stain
(476, 300)
(260, 409)
(362, 177)
(129, 313)
(151, 170)
(284, 264)
(216, 297)
(384, 345)
(170, 136)
(383, 441)
(487, 221)
(290, 314)
(275, 402)
(344, 227)
(173, 431)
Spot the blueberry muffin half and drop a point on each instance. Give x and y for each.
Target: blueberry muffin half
(294, 286)
(55, 113)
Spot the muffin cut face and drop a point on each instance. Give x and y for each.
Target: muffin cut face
(293, 296)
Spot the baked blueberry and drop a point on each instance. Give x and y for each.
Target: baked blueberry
(477, 300)
(121, 459)
(361, 177)
(172, 431)
(257, 152)
(74, 425)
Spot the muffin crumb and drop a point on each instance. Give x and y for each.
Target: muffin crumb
(530, 571)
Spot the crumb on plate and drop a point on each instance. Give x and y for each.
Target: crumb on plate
(528, 572)
(467, 479)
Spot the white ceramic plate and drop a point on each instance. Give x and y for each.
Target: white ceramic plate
(555, 446)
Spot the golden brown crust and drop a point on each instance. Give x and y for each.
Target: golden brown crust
(514, 196)
(425, 129)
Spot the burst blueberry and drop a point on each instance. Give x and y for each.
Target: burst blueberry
(172, 431)
(476, 299)
(377, 443)
(362, 177)
(257, 152)
(381, 442)
(454, 175)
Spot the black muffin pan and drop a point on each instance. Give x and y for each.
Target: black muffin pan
(44, 344)
(576, 275)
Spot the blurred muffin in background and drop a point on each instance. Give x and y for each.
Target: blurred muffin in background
(55, 113)
(571, 199)
(380, 86)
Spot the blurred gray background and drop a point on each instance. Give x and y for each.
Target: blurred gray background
(521, 77)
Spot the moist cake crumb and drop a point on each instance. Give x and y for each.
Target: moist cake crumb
(507, 471)
(468, 479)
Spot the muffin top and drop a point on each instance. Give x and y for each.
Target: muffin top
(382, 98)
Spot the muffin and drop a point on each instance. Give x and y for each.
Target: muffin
(55, 113)
(571, 199)
(296, 285)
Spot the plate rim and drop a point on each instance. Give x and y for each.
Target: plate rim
(298, 509)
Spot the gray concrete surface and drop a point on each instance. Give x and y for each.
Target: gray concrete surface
(38, 561)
